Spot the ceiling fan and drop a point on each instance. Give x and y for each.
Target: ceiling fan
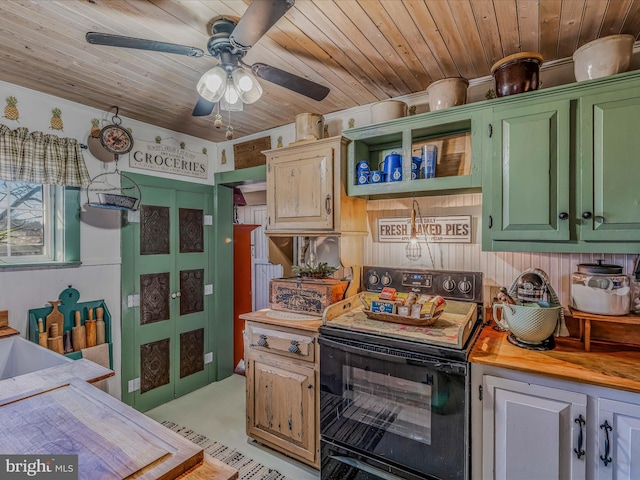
(229, 43)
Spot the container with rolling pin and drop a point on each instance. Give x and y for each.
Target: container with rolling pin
(68, 326)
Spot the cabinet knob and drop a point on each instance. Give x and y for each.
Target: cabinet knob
(586, 215)
(262, 341)
(309, 386)
(563, 215)
(294, 348)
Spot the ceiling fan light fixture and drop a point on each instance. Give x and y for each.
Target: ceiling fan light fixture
(246, 84)
(231, 100)
(212, 84)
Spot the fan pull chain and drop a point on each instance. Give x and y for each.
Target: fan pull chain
(229, 134)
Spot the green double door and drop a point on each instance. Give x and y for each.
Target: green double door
(167, 293)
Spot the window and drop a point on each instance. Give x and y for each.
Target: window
(39, 224)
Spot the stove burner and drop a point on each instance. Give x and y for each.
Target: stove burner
(548, 344)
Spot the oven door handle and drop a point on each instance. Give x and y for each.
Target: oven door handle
(365, 467)
(439, 365)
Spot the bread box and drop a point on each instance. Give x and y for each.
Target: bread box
(305, 295)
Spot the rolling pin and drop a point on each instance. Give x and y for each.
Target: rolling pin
(90, 328)
(54, 341)
(79, 337)
(100, 328)
(42, 335)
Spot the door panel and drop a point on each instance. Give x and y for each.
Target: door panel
(610, 192)
(169, 264)
(530, 176)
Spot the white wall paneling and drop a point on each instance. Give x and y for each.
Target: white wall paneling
(499, 268)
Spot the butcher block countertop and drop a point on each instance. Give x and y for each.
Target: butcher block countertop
(607, 365)
(284, 319)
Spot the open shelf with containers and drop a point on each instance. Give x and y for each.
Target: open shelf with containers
(456, 134)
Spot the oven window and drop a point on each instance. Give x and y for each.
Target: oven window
(397, 405)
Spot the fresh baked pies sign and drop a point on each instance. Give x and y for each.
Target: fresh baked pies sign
(168, 159)
(444, 229)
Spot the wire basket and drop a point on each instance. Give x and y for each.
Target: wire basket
(112, 197)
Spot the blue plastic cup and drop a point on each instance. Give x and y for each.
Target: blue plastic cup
(429, 158)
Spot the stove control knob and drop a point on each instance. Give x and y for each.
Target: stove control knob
(386, 280)
(449, 285)
(373, 279)
(465, 286)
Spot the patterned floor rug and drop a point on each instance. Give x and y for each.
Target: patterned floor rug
(248, 469)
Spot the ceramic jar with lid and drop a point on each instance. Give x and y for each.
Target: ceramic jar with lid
(600, 288)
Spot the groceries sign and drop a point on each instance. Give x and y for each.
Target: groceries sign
(168, 159)
(446, 229)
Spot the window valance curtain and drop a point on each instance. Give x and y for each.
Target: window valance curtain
(38, 157)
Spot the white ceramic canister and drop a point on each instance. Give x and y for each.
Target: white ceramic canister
(309, 126)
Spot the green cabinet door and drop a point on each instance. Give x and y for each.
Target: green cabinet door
(529, 163)
(609, 166)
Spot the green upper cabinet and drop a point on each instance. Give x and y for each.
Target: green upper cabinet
(528, 172)
(560, 169)
(609, 167)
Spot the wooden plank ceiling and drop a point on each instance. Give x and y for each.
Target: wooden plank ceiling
(363, 50)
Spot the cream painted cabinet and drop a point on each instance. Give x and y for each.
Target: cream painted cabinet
(530, 431)
(282, 394)
(306, 193)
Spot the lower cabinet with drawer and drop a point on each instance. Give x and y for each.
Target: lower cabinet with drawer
(282, 398)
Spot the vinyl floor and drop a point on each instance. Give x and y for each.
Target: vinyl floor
(218, 411)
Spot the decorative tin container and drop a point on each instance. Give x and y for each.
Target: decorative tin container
(305, 295)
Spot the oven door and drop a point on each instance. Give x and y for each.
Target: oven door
(401, 408)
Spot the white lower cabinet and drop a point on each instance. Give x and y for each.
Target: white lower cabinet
(532, 427)
(618, 440)
(530, 432)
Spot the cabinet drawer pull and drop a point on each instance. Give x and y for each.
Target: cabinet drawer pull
(490, 221)
(606, 459)
(327, 204)
(294, 348)
(262, 341)
(579, 451)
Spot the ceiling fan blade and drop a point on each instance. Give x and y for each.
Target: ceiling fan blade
(259, 17)
(289, 80)
(110, 40)
(203, 107)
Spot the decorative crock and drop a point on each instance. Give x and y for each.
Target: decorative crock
(517, 73)
(603, 57)
(388, 110)
(447, 92)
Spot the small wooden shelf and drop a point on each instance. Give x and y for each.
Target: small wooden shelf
(586, 319)
(68, 306)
